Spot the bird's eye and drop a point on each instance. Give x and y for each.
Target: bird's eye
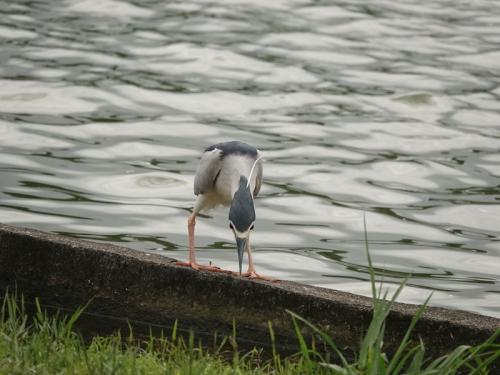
(251, 228)
(231, 225)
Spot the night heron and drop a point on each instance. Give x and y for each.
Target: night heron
(229, 174)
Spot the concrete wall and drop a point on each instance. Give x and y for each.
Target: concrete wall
(150, 290)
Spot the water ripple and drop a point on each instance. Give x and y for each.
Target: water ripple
(387, 109)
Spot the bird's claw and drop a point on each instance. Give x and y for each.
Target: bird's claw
(255, 275)
(197, 266)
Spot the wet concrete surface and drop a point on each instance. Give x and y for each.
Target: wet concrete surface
(150, 291)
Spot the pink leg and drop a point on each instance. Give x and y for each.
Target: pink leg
(191, 224)
(251, 269)
(192, 257)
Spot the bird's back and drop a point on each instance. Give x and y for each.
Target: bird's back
(220, 169)
(234, 148)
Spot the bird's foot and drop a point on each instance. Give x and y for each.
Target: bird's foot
(197, 266)
(255, 275)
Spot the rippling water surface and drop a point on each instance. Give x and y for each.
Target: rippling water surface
(389, 108)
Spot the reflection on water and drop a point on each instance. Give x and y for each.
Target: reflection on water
(389, 108)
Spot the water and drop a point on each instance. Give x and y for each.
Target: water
(389, 108)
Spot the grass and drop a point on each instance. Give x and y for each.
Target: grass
(46, 344)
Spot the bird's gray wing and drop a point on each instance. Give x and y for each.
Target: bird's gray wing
(208, 171)
(258, 180)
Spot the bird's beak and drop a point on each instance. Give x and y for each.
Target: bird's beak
(241, 243)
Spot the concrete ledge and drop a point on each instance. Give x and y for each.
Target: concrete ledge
(151, 291)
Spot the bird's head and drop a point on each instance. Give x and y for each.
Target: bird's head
(242, 216)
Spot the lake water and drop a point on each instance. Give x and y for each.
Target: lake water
(388, 109)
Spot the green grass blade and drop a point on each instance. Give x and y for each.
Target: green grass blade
(475, 353)
(403, 360)
(304, 350)
(417, 361)
(276, 357)
(403, 345)
(370, 265)
(174, 331)
(453, 360)
(482, 366)
(323, 335)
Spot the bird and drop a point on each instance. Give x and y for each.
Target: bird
(229, 174)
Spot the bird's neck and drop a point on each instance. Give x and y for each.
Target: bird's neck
(240, 184)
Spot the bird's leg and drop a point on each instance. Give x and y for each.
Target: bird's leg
(251, 269)
(191, 224)
(192, 257)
